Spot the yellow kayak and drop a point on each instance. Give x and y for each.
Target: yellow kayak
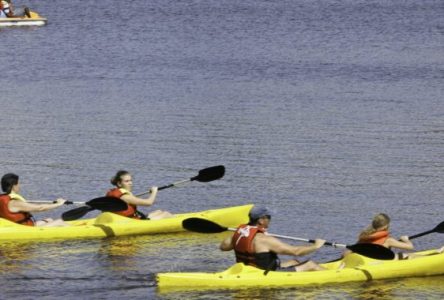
(108, 224)
(35, 20)
(354, 268)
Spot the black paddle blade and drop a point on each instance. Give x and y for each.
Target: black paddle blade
(101, 203)
(107, 204)
(202, 226)
(373, 251)
(439, 228)
(210, 174)
(76, 213)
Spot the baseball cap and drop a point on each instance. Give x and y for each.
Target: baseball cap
(259, 211)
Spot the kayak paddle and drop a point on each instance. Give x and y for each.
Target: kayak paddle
(438, 229)
(370, 250)
(49, 201)
(204, 175)
(116, 204)
(101, 203)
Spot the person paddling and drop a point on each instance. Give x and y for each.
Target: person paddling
(378, 232)
(123, 183)
(7, 10)
(14, 207)
(252, 246)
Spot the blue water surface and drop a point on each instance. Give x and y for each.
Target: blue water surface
(327, 111)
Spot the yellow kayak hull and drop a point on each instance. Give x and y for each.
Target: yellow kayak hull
(35, 20)
(109, 224)
(357, 268)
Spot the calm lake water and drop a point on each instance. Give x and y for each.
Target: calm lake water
(326, 111)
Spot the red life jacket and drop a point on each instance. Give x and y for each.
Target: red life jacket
(23, 218)
(244, 249)
(378, 237)
(130, 212)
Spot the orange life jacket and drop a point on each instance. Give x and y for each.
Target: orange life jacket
(23, 218)
(244, 250)
(130, 212)
(378, 237)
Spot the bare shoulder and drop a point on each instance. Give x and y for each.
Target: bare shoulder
(17, 205)
(266, 239)
(392, 242)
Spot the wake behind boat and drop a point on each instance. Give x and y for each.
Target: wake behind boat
(34, 20)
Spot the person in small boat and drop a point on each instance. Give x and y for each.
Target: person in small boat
(252, 246)
(123, 183)
(378, 233)
(14, 207)
(7, 10)
(2, 13)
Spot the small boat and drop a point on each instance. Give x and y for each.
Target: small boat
(35, 20)
(109, 224)
(354, 267)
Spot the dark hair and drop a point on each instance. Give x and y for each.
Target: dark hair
(253, 222)
(118, 177)
(8, 181)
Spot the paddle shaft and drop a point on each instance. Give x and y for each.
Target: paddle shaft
(49, 201)
(369, 250)
(286, 237)
(138, 195)
(204, 175)
(439, 229)
(166, 186)
(421, 234)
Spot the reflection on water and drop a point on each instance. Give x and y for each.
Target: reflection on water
(14, 256)
(326, 111)
(129, 265)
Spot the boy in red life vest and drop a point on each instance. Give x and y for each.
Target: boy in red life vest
(252, 246)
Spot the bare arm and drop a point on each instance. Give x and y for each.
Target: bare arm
(264, 243)
(11, 11)
(131, 199)
(20, 206)
(226, 244)
(404, 243)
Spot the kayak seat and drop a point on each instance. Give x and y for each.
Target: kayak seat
(108, 218)
(353, 260)
(240, 268)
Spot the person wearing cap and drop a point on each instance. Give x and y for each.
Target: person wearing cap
(7, 10)
(252, 246)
